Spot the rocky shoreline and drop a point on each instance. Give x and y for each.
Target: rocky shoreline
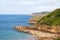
(45, 27)
(39, 34)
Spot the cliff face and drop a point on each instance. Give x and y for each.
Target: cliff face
(34, 19)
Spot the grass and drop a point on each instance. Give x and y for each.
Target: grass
(52, 18)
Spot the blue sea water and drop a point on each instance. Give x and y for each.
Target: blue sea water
(7, 22)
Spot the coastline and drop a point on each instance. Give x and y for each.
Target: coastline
(44, 32)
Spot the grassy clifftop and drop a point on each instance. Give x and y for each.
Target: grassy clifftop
(52, 18)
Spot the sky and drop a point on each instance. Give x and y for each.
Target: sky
(27, 6)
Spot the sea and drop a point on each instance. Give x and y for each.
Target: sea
(7, 24)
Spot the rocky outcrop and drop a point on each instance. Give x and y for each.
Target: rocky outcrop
(34, 19)
(34, 32)
(41, 33)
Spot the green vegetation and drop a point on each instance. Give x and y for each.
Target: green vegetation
(52, 18)
(58, 38)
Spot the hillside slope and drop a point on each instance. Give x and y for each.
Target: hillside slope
(52, 18)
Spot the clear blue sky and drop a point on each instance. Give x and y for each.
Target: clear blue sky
(27, 6)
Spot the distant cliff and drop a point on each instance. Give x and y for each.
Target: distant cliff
(40, 13)
(37, 16)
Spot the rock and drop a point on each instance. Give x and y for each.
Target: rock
(32, 31)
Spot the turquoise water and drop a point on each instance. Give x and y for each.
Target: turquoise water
(7, 22)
